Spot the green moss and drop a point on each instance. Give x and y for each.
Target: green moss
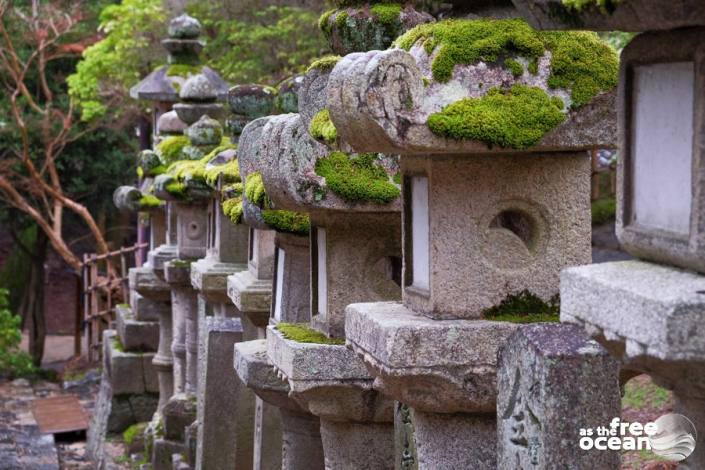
(524, 307)
(426, 81)
(302, 333)
(232, 208)
(341, 18)
(176, 188)
(170, 149)
(183, 169)
(183, 70)
(639, 394)
(605, 6)
(397, 178)
(140, 172)
(386, 13)
(324, 63)
(515, 67)
(580, 61)
(287, 221)
(517, 118)
(133, 432)
(357, 177)
(181, 263)
(254, 189)
(157, 170)
(323, 23)
(149, 201)
(117, 344)
(322, 128)
(533, 66)
(603, 211)
(229, 170)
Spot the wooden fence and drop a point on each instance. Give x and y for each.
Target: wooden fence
(104, 284)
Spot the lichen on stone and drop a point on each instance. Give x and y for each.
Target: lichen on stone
(170, 149)
(302, 333)
(516, 118)
(254, 189)
(524, 307)
(296, 223)
(324, 63)
(357, 177)
(322, 128)
(581, 62)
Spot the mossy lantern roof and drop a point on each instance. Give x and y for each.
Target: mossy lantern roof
(479, 86)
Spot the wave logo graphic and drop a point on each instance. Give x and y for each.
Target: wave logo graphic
(675, 437)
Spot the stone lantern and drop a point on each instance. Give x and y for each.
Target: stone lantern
(495, 173)
(648, 312)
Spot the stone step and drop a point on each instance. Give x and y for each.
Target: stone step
(129, 372)
(136, 335)
(146, 309)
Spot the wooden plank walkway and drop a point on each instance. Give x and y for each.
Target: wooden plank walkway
(59, 414)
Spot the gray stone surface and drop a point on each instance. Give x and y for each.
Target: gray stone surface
(163, 451)
(145, 309)
(647, 315)
(361, 252)
(681, 182)
(225, 406)
(136, 335)
(127, 198)
(161, 255)
(179, 412)
(251, 296)
(210, 277)
(191, 230)
(498, 226)
(170, 124)
(145, 282)
(301, 446)
(455, 360)
(130, 373)
(184, 27)
(455, 441)
(625, 15)
(329, 381)
(552, 381)
(379, 103)
(350, 446)
(295, 297)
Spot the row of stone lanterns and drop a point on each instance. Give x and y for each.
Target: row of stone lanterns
(451, 172)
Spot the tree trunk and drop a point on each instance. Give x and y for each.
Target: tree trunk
(32, 305)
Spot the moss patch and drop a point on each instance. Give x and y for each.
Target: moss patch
(254, 188)
(133, 432)
(515, 67)
(357, 177)
(183, 70)
(296, 223)
(516, 118)
(386, 13)
(581, 62)
(603, 211)
(170, 149)
(302, 333)
(322, 128)
(323, 23)
(524, 307)
(232, 208)
(117, 344)
(149, 201)
(175, 188)
(230, 172)
(324, 63)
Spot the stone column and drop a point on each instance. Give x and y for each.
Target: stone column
(582, 381)
(487, 221)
